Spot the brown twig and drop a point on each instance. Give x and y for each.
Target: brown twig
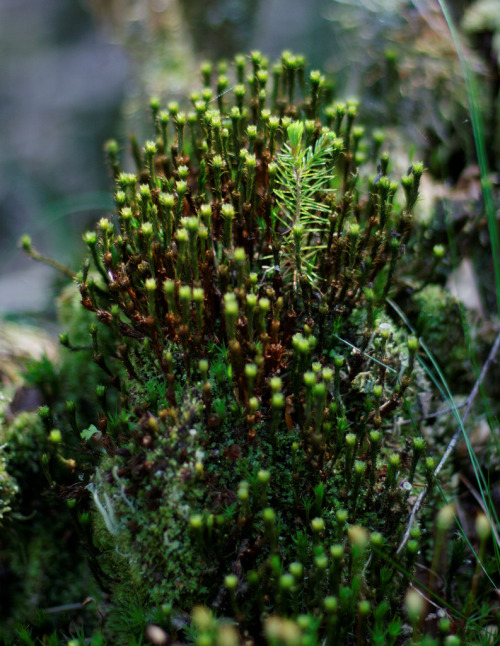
(68, 607)
(438, 413)
(451, 446)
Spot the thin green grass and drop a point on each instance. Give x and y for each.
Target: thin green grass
(472, 91)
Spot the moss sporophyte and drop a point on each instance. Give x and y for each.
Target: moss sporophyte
(245, 454)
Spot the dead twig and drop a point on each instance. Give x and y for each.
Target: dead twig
(68, 607)
(438, 413)
(451, 446)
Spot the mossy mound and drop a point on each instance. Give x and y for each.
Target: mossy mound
(245, 451)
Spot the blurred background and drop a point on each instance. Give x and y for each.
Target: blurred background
(74, 73)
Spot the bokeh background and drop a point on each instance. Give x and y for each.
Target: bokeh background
(75, 72)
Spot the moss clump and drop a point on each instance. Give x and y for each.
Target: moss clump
(438, 321)
(41, 563)
(8, 488)
(243, 452)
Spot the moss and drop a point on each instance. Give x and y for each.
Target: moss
(439, 322)
(244, 449)
(289, 282)
(41, 561)
(8, 488)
